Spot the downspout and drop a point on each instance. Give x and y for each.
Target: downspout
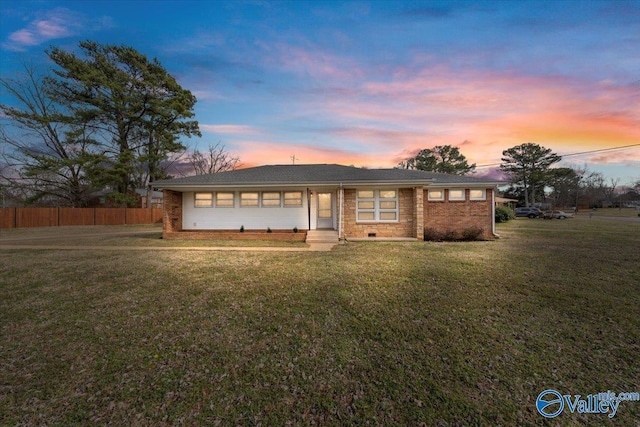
(309, 209)
(341, 201)
(493, 212)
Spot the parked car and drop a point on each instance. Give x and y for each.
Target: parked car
(556, 214)
(528, 212)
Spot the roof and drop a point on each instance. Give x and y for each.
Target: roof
(316, 174)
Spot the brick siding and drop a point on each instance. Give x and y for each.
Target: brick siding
(171, 212)
(405, 227)
(456, 216)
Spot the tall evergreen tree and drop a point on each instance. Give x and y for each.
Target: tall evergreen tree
(135, 106)
(441, 158)
(527, 165)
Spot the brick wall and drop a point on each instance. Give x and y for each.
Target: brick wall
(405, 227)
(171, 212)
(418, 214)
(446, 215)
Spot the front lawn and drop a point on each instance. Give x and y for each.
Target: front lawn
(369, 333)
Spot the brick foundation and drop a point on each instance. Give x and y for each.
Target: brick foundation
(279, 235)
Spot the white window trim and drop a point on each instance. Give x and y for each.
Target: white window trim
(195, 199)
(257, 205)
(376, 206)
(233, 199)
(435, 199)
(284, 200)
(262, 199)
(484, 194)
(457, 199)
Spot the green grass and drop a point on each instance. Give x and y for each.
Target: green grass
(610, 212)
(370, 333)
(120, 235)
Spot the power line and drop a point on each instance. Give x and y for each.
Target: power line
(623, 147)
(600, 150)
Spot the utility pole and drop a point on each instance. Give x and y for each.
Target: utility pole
(293, 159)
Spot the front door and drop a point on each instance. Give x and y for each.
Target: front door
(325, 210)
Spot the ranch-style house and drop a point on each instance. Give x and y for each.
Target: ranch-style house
(346, 201)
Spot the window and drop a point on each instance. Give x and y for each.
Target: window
(456, 194)
(249, 200)
(377, 205)
(293, 198)
(271, 199)
(366, 205)
(478, 194)
(203, 200)
(435, 195)
(225, 200)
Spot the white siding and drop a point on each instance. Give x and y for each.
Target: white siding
(277, 218)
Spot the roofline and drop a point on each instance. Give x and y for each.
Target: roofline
(292, 184)
(466, 184)
(425, 183)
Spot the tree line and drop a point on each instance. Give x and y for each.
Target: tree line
(531, 177)
(106, 118)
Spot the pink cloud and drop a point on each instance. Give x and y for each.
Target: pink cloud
(54, 24)
(625, 157)
(311, 62)
(484, 113)
(269, 152)
(52, 28)
(24, 37)
(229, 129)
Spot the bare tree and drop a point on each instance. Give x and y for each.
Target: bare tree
(50, 157)
(215, 159)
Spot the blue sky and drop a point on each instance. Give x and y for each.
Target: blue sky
(371, 83)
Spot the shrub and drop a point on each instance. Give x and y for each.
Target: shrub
(450, 236)
(295, 229)
(269, 230)
(242, 228)
(504, 214)
(471, 233)
(467, 234)
(432, 235)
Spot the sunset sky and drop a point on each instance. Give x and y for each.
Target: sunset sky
(371, 83)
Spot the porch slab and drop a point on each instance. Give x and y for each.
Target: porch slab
(322, 236)
(382, 239)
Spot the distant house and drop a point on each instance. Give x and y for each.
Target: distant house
(351, 202)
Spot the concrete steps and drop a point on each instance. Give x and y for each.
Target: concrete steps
(322, 236)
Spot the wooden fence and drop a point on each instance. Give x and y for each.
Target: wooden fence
(54, 217)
